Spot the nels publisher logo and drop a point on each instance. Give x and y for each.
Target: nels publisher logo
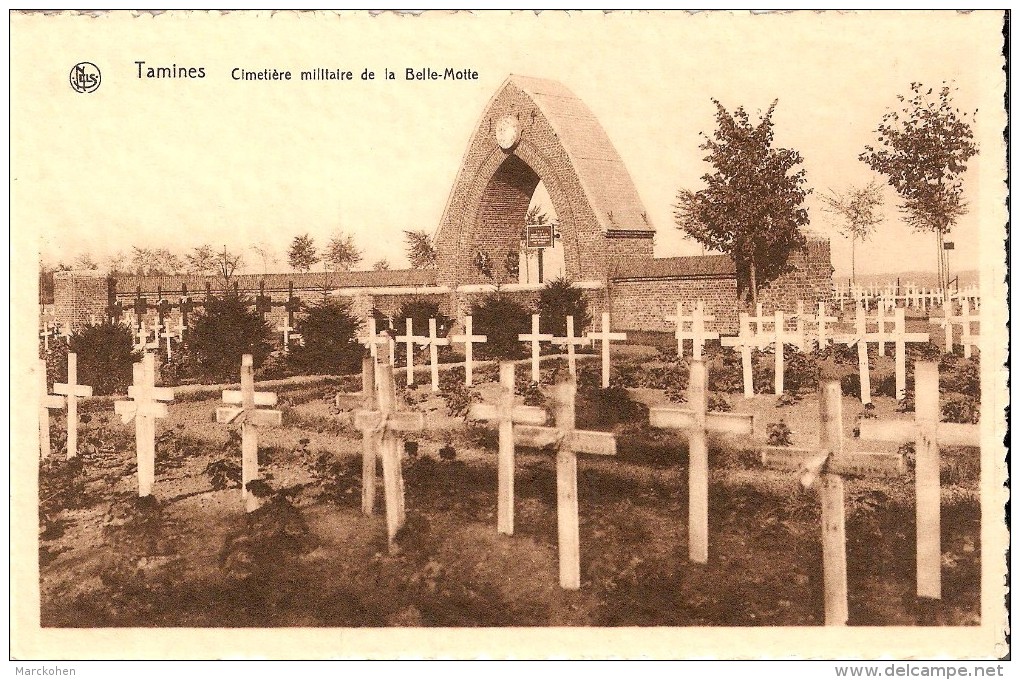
(85, 77)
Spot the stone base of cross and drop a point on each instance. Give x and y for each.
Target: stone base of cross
(506, 414)
(928, 433)
(567, 442)
(823, 466)
(383, 426)
(243, 408)
(696, 422)
(145, 406)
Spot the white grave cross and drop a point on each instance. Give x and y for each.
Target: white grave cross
(696, 422)
(383, 426)
(243, 409)
(410, 339)
(434, 342)
(606, 337)
(144, 408)
(468, 340)
(929, 434)
(47, 401)
(568, 442)
(697, 334)
(504, 413)
(746, 341)
(825, 464)
(535, 338)
(73, 391)
(571, 341)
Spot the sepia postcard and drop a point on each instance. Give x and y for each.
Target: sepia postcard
(520, 334)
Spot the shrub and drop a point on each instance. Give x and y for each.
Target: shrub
(420, 310)
(105, 355)
(717, 402)
(501, 319)
(778, 434)
(224, 331)
(850, 384)
(558, 300)
(960, 375)
(961, 409)
(601, 408)
(328, 331)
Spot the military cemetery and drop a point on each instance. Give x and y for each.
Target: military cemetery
(637, 441)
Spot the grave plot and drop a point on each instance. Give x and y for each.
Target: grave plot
(480, 533)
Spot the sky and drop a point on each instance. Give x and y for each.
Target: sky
(175, 163)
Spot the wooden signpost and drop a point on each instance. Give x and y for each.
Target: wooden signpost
(535, 338)
(410, 339)
(696, 422)
(568, 442)
(243, 409)
(571, 341)
(823, 465)
(434, 342)
(505, 414)
(73, 391)
(145, 407)
(47, 401)
(697, 333)
(606, 337)
(928, 434)
(746, 341)
(382, 426)
(468, 340)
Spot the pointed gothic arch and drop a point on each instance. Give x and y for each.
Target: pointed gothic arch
(533, 131)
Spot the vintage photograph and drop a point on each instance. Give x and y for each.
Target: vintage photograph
(643, 334)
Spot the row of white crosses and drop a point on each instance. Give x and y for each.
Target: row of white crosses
(965, 320)
(605, 336)
(169, 335)
(50, 330)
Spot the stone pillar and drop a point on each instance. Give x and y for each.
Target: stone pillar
(78, 296)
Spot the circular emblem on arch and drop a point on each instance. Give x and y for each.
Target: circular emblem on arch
(508, 132)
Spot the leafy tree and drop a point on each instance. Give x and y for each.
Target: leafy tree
(421, 250)
(226, 329)
(105, 357)
(265, 252)
(302, 254)
(201, 260)
(381, 265)
(165, 262)
(558, 300)
(227, 263)
(85, 261)
(501, 319)
(860, 210)
(536, 216)
(117, 263)
(923, 149)
(752, 205)
(141, 261)
(328, 331)
(342, 253)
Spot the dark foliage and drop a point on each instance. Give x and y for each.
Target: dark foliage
(501, 319)
(105, 355)
(328, 331)
(558, 300)
(227, 328)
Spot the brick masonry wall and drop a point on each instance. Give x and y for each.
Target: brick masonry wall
(810, 282)
(644, 304)
(79, 296)
(493, 188)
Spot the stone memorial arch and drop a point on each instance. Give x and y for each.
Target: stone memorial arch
(535, 130)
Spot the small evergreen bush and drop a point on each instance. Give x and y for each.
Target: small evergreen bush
(330, 346)
(105, 356)
(558, 300)
(226, 329)
(501, 319)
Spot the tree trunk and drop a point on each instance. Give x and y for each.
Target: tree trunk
(754, 285)
(853, 260)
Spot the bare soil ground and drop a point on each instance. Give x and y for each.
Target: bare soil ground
(190, 556)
